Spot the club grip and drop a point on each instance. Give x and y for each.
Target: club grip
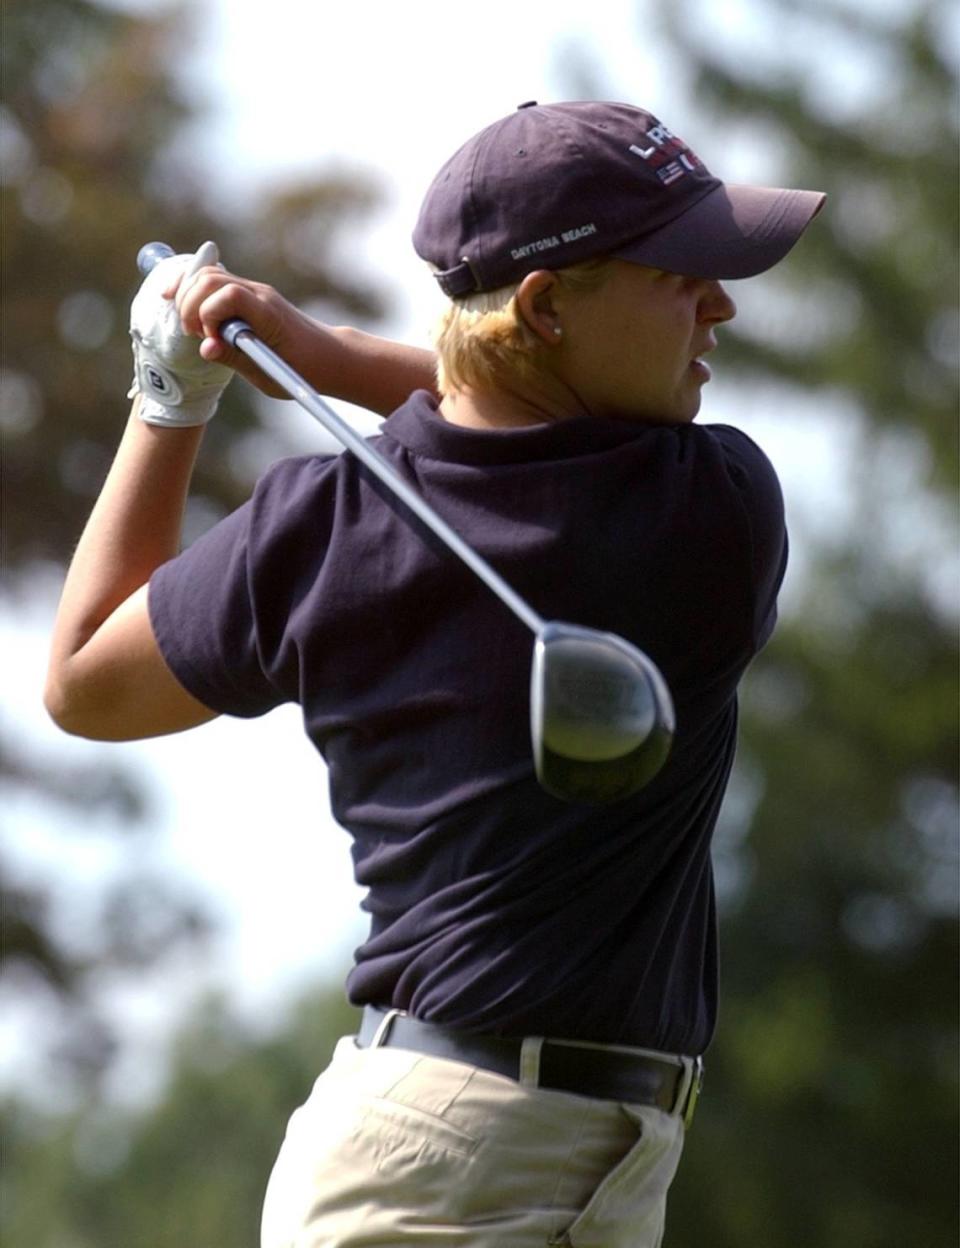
(151, 254)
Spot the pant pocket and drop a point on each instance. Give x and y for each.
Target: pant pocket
(399, 1132)
(628, 1207)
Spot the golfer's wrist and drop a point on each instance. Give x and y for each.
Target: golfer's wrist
(194, 414)
(159, 448)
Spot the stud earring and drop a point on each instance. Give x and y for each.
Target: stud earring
(557, 330)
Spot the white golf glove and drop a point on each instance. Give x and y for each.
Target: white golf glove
(178, 388)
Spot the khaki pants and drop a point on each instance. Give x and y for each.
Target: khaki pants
(394, 1148)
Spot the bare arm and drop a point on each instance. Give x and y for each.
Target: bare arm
(106, 677)
(380, 374)
(341, 362)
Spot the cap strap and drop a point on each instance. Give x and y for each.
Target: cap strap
(460, 280)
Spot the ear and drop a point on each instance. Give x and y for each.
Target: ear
(535, 303)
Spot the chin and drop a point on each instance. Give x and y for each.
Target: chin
(681, 410)
(690, 410)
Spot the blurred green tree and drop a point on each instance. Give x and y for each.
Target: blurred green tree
(94, 165)
(831, 1112)
(93, 169)
(191, 1170)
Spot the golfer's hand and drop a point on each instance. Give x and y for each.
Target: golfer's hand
(214, 296)
(339, 361)
(178, 388)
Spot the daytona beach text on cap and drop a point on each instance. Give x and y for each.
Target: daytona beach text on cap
(554, 184)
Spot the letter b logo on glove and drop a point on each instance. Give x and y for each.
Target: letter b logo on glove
(157, 382)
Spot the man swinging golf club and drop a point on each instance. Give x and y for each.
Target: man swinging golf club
(539, 979)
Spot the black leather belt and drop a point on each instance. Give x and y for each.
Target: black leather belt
(607, 1072)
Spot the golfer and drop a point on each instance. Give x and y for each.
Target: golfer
(540, 977)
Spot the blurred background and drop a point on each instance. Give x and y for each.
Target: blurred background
(178, 915)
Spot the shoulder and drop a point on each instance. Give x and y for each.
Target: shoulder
(287, 501)
(746, 462)
(750, 471)
(299, 474)
(294, 491)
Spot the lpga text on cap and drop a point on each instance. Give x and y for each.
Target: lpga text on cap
(544, 244)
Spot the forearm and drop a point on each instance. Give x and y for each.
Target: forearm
(134, 527)
(341, 362)
(379, 374)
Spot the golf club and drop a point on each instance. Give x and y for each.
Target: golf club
(601, 715)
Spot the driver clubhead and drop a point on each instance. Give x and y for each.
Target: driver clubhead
(601, 715)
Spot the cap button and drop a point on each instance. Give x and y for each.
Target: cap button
(529, 104)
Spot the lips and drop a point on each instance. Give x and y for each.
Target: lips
(699, 365)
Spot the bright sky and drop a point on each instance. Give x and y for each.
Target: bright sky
(391, 89)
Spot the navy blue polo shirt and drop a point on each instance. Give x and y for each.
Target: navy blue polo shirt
(494, 906)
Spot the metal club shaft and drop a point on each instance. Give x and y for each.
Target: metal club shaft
(601, 715)
(239, 334)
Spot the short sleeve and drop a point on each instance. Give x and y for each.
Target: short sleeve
(203, 620)
(219, 611)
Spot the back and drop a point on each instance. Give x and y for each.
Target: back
(495, 907)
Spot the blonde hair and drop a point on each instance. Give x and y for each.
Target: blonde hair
(482, 339)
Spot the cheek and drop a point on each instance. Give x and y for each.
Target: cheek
(623, 346)
(600, 347)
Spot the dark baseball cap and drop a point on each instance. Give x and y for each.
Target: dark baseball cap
(552, 185)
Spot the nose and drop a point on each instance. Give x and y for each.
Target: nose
(716, 306)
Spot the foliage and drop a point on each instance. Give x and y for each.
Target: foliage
(837, 1048)
(90, 124)
(93, 168)
(868, 304)
(190, 1171)
(829, 1114)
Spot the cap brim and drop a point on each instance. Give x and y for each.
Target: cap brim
(734, 231)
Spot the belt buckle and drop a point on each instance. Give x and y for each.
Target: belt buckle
(693, 1092)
